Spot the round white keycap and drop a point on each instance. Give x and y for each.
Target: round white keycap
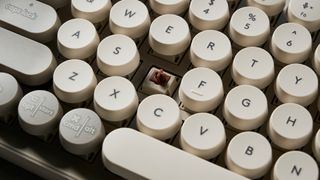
(169, 35)
(291, 43)
(129, 17)
(290, 126)
(270, 7)
(205, 15)
(203, 134)
(297, 83)
(295, 165)
(201, 90)
(77, 39)
(74, 81)
(81, 131)
(159, 116)
(306, 13)
(93, 10)
(245, 107)
(169, 6)
(253, 66)
(249, 154)
(115, 99)
(316, 60)
(39, 112)
(316, 146)
(249, 26)
(211, 49)
(10, 94)
(117, 55)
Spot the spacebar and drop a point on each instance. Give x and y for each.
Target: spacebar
(134, 155)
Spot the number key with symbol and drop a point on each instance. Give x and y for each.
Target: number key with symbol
(270, 7)
(203, 134)
(249, 26)
(81, 131)
(306, 13)
(208, 14)
(115, 99)
(291, 43)
(169, 6)
(74, 81)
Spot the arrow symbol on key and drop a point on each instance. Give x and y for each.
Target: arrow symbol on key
(202, 131)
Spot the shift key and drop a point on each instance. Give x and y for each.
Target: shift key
(30, 62)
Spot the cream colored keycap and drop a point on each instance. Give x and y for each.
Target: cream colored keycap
(56, 3)
(316, 60)
(245, 107)
(117, 55)
(115, 99)
(93, 10)
(270, 7)
(249, 154)
(211, 49)
(169, 6)
(249, 26)
(297, 83)
(201, 90)
(129, 17)
(74, 81)
(212, 14)
(316, 146)
(77, 39)
(81, 131)
(176, 164)
(30, 18)
(295, 165)
(203, 135)
(290, 126)
(291, 43)
(33, 65)
(169, 35)
(159, 116)
(10, 95)
(39, 113)
(305, 13)
(253, 66)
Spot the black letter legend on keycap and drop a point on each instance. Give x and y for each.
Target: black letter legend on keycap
(115, 92)
(77, 34)
(202, 131)
(74, 75)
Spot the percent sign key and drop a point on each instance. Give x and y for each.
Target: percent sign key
(249, 26)
(81, 131)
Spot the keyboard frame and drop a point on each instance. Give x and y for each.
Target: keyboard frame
(48, 159)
